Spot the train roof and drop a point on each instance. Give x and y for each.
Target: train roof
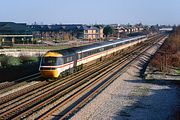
(73, 50)
(67, 51)
(107, 43)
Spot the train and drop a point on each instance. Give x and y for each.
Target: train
(57, 63)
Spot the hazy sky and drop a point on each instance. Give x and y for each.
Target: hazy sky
(91, 11)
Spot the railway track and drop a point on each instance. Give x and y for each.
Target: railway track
(5, 85)
(60, 84)
(61, 112)
(34, 101)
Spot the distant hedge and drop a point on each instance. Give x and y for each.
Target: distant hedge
(9, 61)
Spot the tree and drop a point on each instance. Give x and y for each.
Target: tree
(108, 30)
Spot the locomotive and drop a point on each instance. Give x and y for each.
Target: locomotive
(57, 63)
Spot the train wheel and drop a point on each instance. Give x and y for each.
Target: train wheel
(71, 70)
(81, 67)
(75, 69)
(64, 74)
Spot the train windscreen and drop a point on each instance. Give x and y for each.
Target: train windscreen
(51, 61)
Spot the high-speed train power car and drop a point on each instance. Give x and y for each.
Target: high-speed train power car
(56, 63)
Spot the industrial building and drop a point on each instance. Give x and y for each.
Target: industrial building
(11, 33)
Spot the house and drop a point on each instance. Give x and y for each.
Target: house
(91, 32)
(66, 32)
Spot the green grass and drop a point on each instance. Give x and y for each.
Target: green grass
(178, 72)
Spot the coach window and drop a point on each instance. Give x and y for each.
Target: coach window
(60, 61)
(101, 49)
(96, 51)
(79, 55)
(109, 47)
(106, 48)
(92, 52)
(82, 55)
(85, 54)
(69, 59)
(88, 53)
(119, 44)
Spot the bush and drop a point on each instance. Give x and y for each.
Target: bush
(34, 59)
(8, 61)
(13, 61)
(169, 54)
(28, 60)
(3, 61)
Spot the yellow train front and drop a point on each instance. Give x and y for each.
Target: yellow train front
(50, 65)
(57, 62)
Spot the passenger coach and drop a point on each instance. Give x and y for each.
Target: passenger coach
(57, 63)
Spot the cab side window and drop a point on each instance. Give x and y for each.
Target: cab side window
(60, 61)
(69, 59)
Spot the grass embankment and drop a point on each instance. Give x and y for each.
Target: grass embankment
(167, 58)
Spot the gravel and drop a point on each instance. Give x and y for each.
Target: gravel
(132, 98)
